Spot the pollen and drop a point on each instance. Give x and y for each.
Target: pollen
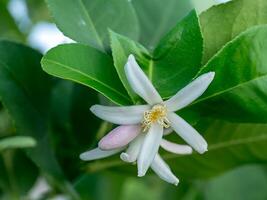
(158, 114)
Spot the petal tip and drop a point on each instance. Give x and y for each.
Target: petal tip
(131, 57)
(93, 108)
(189, 150)
(211, 75)
(203, 150)
(83, 156)
(176, 182)
(141, 174)
(124, 157)
(141, 171)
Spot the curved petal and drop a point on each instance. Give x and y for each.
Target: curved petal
(139, 82)
(133, 150)
(149, 148)
(190, 92)
(175, 148)
(188, 133)
(98, 154)
(119, 137)
(163, 170)
(120, 115)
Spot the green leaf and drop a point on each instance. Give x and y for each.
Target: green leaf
(72, 120)
(157, 17)
(234, 144)
(122, 47)
(17, 142)
(175, 60)
(239, 91)
(91, 186)
(244, 183)
(19, 174)
(87, 21)
(25, 92)
(9, 29)
(221, 23)
(87, 66)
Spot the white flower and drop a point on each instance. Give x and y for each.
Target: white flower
(151, 121)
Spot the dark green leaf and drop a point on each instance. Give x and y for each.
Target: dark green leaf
(25, 92)
(239, 91)
(221, 23)
(175, 60)
(86, 66)
(72, 120)
(157, 17)
(19, 174)
(122, 47)
(87, 21)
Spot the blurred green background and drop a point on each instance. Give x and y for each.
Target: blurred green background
(29, 22)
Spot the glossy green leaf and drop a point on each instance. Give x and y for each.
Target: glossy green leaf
(17, 142)
(87, 66)
(234, 144)
(221, 23)
(122, 47)
(87, 21)
(25, 92)
(157, 17)
(175, 60)
(239, 90)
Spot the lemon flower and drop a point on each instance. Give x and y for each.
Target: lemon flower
(142, 126)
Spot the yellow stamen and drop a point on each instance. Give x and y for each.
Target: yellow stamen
(158, 114)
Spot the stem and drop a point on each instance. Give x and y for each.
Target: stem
(8, 162)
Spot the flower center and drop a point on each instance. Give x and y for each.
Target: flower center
(157, 114)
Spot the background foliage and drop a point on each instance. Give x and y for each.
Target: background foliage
(45, 121)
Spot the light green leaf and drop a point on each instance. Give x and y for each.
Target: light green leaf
(157, 17)
(221, 23)
(87, 21)
(87, 66)
(17, 142)
(239, 89)
(25, 93)
(175, 60)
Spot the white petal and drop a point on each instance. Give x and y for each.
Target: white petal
(124, 115)
(139, 82)
(175, 148)
(133, 150)
(190, 92)
(163, 170)
(167, 131)
(149, 148)
(188, 133)
(98, 154)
